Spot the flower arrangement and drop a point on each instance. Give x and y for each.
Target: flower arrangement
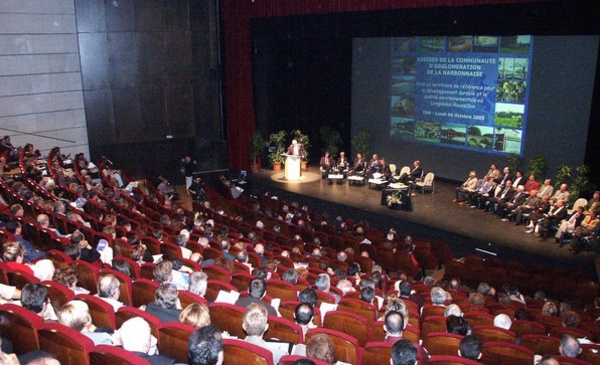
(394, 199)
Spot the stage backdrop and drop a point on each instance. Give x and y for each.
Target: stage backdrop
(460, 103)
(236, 17)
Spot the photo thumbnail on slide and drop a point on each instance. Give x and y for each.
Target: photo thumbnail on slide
(465, 92)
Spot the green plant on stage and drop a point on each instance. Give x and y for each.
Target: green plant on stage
(515, 162)
(361, 143)
(537, 166)
(581, 185)
(564, 175)
(257, 143)
(304, 141)
(331, 140)
(277, 140)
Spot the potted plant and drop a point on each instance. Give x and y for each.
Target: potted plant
(257, 143)
(361, 143)
(538, 166)
(302, 139)
(277, 140)
(331, 139)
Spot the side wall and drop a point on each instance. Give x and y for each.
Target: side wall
(41, 98)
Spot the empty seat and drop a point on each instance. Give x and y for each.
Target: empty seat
(20, 325)
(377, 353)
(502, 353)
(521, 328)
(591, 353)
(102, 313)
(494, 334)
(290, 359)
(241, 352)
(186, 298)
(541, 344)
(215, 286)
(348, 323)
(68, 345)
(143, 292)
(228, 318)
(217, 273)
(359, 307)
(125, 313)
(442, 343)
(346, 347)
(281, 289)
(59, 295)
(451, 360)
(433, 324)
(575, 332)
(173, 340)
(113, 355)
(88, 275)
(284, 330)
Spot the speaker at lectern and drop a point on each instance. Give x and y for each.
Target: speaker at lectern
(292, 167)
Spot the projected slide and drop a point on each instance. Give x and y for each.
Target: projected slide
(466, 92)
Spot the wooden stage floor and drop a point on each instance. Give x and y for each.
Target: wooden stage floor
(434, 216)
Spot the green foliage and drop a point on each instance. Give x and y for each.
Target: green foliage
(331, 140)
(581, 185)
(278, 140)
(538, 166)
(564, 175)
(303, 140)
(361, 143)
(257, 143)
(474, 131)
(515, 163)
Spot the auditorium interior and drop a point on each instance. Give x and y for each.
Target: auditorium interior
(134, 86)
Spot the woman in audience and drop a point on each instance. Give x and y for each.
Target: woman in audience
(195, 314)
(76, 315)
(549, 309)
(67, 276)
(166, 306)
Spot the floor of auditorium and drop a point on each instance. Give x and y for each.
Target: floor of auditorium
(434, 217)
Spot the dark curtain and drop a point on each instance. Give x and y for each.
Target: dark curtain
(236, 15)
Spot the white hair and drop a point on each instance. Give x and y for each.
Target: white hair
(503, 321)
(135, 335)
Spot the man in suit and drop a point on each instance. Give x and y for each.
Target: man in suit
(374, 166)
(531, 204)
(562, 194)
(136, 337)
(569, 225)
(359, 164)
(326, 162)
(342, 163)
(503, 194)
(469, 186)
(557, 213)
(295, 149)
(505, 177)
(256, 323)
(518, 178)
(414, 175)
(483, 188)
(493, 172)
(505, 207)
(546, 190)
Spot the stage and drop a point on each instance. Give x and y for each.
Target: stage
(435, 216)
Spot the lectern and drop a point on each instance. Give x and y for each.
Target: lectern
(292, 167)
